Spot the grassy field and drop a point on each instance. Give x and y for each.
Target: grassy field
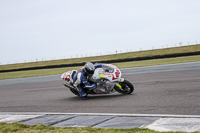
(31, 73)
(191, 48)
(21, 128)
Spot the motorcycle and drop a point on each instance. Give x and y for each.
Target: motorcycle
(108, 80)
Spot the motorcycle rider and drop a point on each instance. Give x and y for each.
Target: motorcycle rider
(81, 78)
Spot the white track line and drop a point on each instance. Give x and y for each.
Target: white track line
(103, 114)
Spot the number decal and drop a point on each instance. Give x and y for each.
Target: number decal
(117, 73)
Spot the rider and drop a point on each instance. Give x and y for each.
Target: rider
(81, 78)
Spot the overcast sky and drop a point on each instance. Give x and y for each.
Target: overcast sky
(48, 29)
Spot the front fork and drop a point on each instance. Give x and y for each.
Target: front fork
(118, 85)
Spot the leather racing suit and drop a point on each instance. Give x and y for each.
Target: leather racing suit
(81, 80)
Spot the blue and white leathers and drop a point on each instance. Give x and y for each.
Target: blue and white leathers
(81, 79)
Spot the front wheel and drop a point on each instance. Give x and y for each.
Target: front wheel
(127, 87)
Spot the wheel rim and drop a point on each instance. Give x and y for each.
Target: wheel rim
(125, 88)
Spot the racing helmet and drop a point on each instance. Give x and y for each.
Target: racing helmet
(89, 68)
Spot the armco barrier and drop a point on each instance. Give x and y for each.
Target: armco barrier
(107, 61)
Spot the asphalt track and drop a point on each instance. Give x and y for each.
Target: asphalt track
(163, 89)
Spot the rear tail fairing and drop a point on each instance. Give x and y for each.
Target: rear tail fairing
(68, 76)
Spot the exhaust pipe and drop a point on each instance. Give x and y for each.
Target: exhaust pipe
(68, 85)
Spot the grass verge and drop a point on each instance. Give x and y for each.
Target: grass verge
(42, 72)
(183, 49)
(22, 128)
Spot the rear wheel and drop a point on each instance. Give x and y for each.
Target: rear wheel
(71, 89)
(127, 87)
(74, 91)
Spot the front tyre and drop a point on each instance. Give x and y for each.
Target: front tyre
(127, 87)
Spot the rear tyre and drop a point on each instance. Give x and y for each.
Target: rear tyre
(77, 93)
(74, 91)
(71, 89)
(127, 87)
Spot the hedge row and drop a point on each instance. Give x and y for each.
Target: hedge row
(107, 61)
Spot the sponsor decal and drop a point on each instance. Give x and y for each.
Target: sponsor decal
(105, 74)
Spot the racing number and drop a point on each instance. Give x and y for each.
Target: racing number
(117, 73)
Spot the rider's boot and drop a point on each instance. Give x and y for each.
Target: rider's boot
(82, 92)
(83, 98)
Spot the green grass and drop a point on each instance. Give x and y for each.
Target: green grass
(183, 49)
(41, 72)
(22, 128)
(158, 61)
(31, 73)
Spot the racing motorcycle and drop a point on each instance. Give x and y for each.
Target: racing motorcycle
(108, 80)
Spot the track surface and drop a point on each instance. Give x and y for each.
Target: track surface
(164, 89)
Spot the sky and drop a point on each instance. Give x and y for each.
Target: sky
(36, 30)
